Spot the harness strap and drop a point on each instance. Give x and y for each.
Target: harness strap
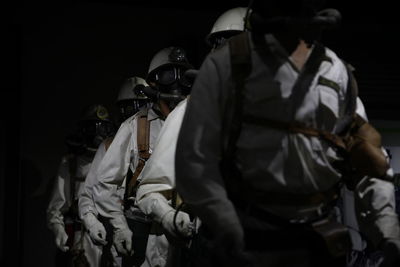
(143, 141)
(241, 68)
(297, 127)
(108, 141)
(72, 163)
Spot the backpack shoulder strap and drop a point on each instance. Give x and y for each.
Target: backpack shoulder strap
(108, 141)
(240, 57)
(72, 163)
(73, 166)
(143, 144)
(351, 101)
(306, 76)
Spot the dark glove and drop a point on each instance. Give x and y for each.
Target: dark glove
(391, 253)
(230, 251)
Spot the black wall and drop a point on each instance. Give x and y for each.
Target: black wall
(71, 54)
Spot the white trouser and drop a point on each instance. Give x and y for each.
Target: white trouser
(156, 251)
(92, 251)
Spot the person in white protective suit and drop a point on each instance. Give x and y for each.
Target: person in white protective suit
(62, 212)
(157, 180)
(128, 103)
(258, 157)
(155, 194)
(135, 236)
(362, 252)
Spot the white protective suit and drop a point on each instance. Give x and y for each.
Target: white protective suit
(359, 255)
(87, 209)
(270, 159)
(121, 155)
(159, 176)
(61, 202)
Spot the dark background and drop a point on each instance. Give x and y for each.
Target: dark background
(63, 55)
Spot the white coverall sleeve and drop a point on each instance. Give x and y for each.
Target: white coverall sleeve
(111, 174)
(59, 203)
(158, 175)
(375, 205)
(86, 201)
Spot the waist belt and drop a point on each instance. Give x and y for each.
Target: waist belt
(295, 237)
(250, 205)
(137, 216)
(291, 199)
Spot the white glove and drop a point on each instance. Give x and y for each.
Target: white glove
(95, 228)
(122, 236)
(61, 237)
(182, 224)
(157, 206)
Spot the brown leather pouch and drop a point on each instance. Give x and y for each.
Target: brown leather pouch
(364, 147)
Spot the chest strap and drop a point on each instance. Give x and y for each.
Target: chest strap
(297, 127)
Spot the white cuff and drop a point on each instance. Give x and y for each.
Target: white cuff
(89, 219)
(119, 222)
(155, 205)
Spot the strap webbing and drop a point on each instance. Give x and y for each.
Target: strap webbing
(108, 141)
(350, 112)
(72, 163)
(241, 67)
(306, 76)
(143, 143)
(297, 127)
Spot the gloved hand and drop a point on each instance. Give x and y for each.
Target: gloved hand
(391, 253)
(123, 241)
(61, 237)
(182, 224)
(95, 228)
(122, 236)
(229, 247)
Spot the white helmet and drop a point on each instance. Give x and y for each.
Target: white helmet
(129, 100)
(127, 89)
(229, 23)
(175, 56)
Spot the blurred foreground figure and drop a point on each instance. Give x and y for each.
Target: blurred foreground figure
(270, 135)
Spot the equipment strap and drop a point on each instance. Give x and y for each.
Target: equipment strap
(241, 68)
(108, 141)
(297, 127)
(143, 144)
(72, 163)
